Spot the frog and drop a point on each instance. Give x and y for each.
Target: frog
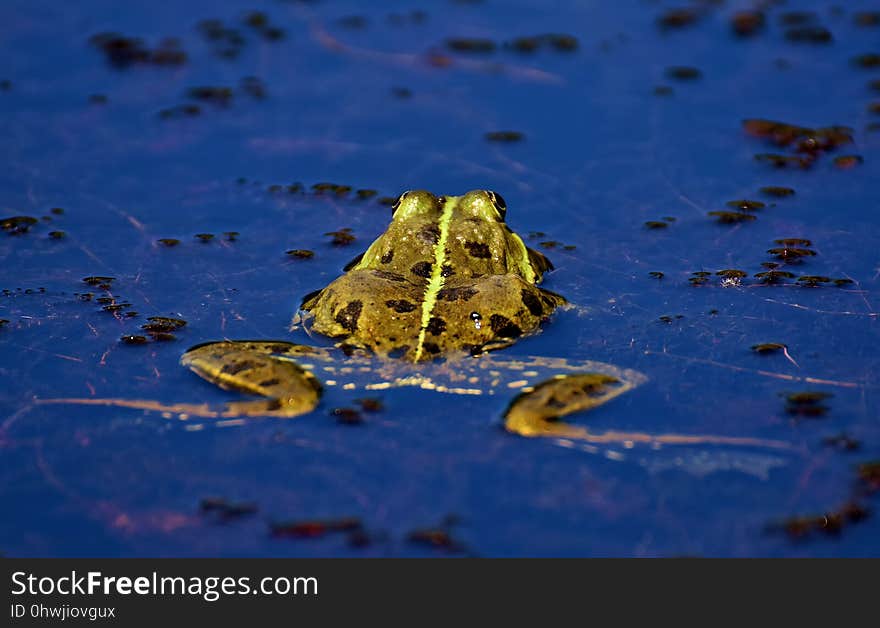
(428, 304)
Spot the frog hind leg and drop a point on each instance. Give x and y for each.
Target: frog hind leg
(263, 368)
(537, 410)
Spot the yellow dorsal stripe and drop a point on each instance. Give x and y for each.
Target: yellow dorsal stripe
(435, 283)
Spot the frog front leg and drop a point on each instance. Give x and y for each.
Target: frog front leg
(263, 368)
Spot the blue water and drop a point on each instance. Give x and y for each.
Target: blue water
(601, 155)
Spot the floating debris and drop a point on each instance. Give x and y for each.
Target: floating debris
(123, 52)
(99, 281)
(169, 242)
(17, 225)
(342, 237)
(438, 537)
(470, 45)
(300, 253)
(785, 161)
(347, 416)
(133, 339)
(791, 254)
(869, 475)
(215, 94)
(559, 42)
(867, 18)
(774, 276)
(730, 218)
(679, 18)
(809, 34)
(507, 137)
(793, 242)
(830, 523)
(656, 224)
(158, 325)
(868, 60)
(807, 404)
(843, 281)
(683, 73)
(335, 188)
(668, 319)
(747, 23)
(226, 42)
(204, 237)
(180, 111)
(766, 348)
(57, 235)
(370, 404)
(314, 528)
(847, 162)
(745, 205)
(812, 280)
(842, 442)
(224, 511)
(656, 274)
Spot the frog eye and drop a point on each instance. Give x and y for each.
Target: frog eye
(398, 202)
(498, 202)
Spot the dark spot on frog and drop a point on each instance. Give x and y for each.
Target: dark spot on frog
(504, 327)
(430, 234)
(446, 271)
(436, 326)
(387, 257)
(400, 306)
(384, 274)
(282, 347)
(348, 316)
(431, 347)
(234, 368)
(464, 293)
(422, 269)
(532, 302)
(478, 249)
(270, 382)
